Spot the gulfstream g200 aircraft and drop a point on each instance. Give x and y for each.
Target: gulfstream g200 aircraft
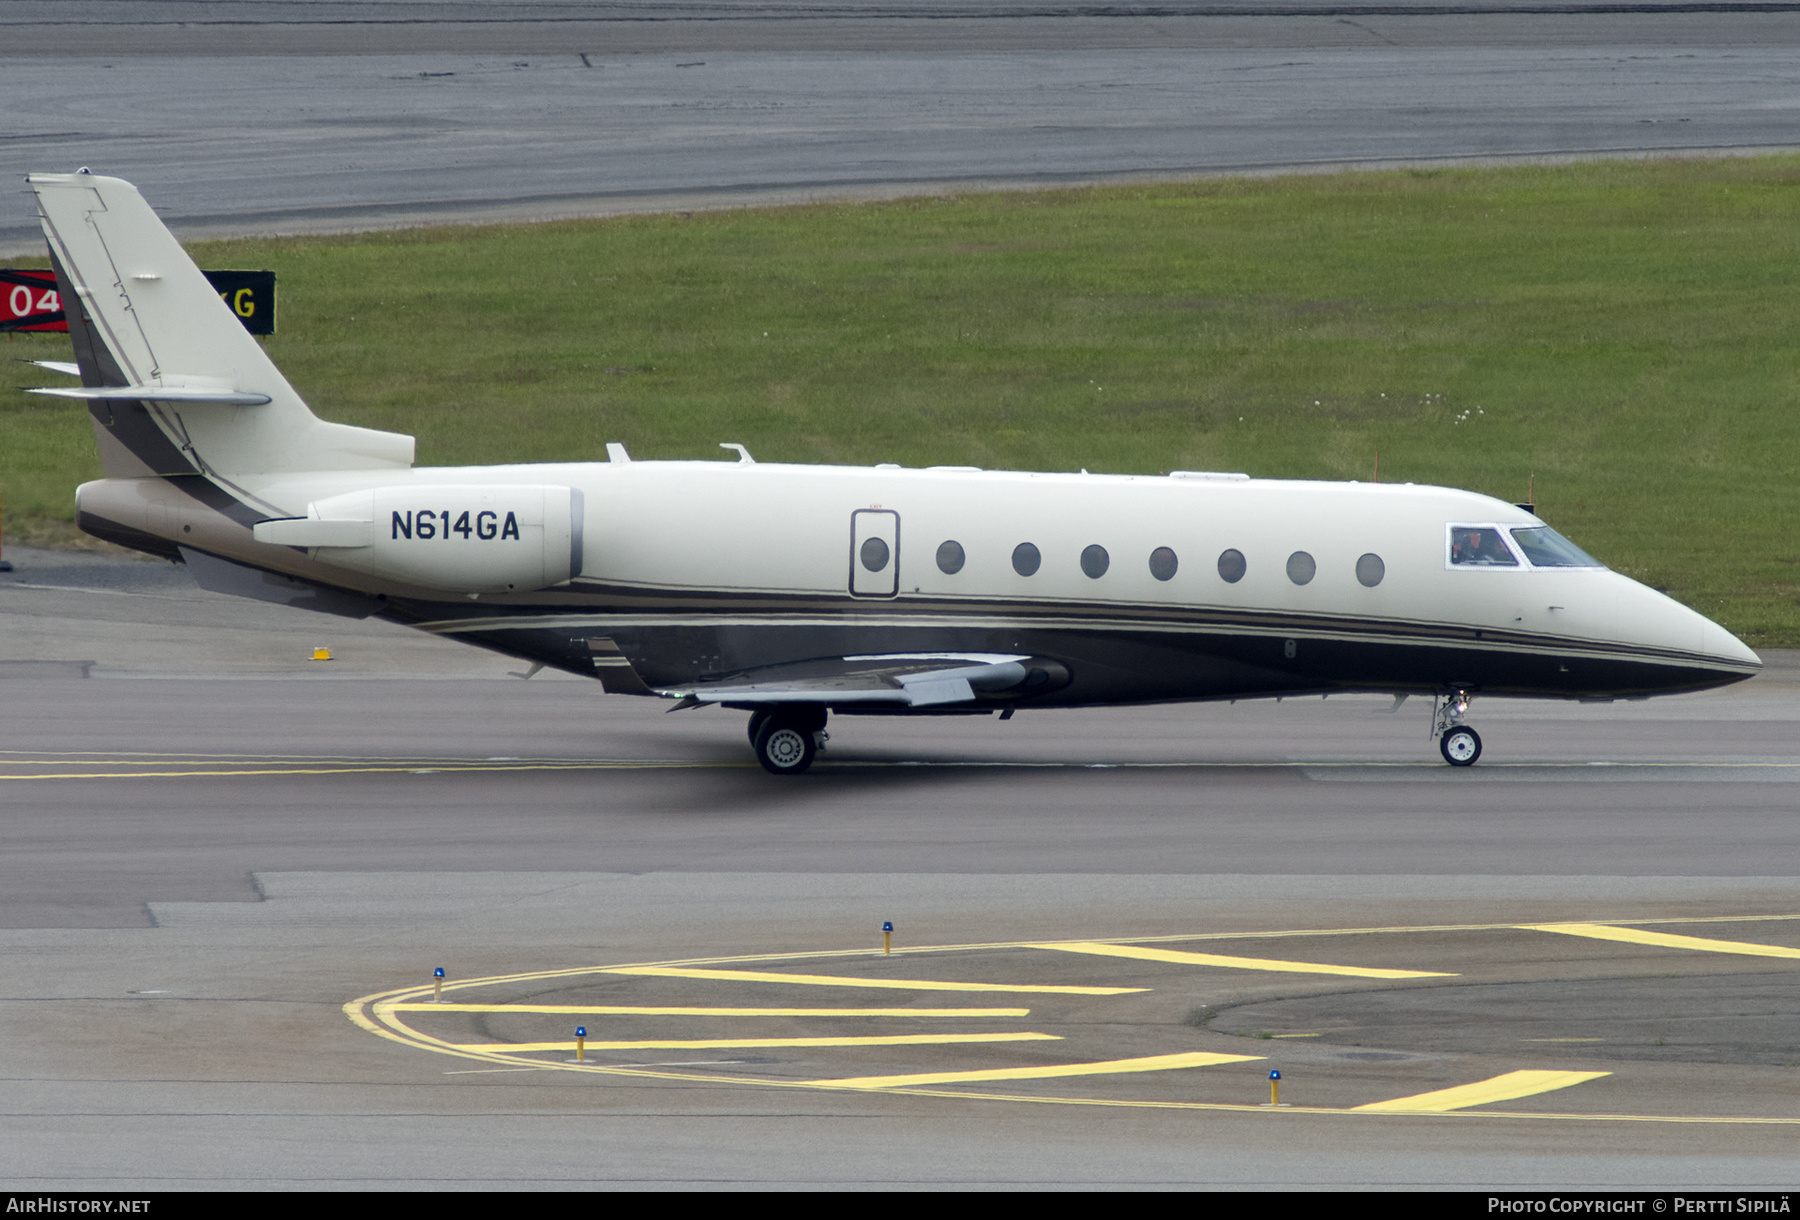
(791, 592)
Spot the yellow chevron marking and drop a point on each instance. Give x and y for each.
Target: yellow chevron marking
(1152, 1063)
(711, 1044)
(1501, 1088)
(1662, 940)
(1237, 963)
(835, 980)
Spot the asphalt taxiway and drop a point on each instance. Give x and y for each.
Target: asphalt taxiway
(241, 117)
(230, 871)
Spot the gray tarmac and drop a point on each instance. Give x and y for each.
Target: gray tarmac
(240, 117)
(214, 843)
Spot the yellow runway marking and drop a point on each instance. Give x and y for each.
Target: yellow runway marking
(1663, 940)
(402, 769)
(719, 1044)
(1140, 953)
(1152, 1063)
(1509, 1087)
(621, 1011)
(210, 768)
(380, 1013)
(834, 980)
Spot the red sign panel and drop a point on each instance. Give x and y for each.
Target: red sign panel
(29, 302)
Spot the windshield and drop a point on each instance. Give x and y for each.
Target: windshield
(1546, 548)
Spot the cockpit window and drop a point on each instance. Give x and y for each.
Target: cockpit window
(1479, 546)
(1546, 548)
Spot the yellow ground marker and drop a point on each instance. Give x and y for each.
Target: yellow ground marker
(1501, 1088)
(721, 1044)
(835, 980)
(1662, 940)
(1153, 1063)
(1140, 953)
(601, 1010)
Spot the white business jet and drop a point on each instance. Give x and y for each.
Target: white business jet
(794, 591)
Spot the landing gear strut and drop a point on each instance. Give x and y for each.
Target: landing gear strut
(787, 738)
(1457, 742)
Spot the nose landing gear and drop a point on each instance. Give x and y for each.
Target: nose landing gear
(1457, 742)
(788, 738)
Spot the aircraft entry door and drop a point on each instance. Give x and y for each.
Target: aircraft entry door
(874, 552)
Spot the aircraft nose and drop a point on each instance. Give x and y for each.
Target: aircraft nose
(1715, 641)
(1713, 656)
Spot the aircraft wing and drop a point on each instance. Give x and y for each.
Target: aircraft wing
(897, 679)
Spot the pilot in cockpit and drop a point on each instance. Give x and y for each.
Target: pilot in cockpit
(1480, 548)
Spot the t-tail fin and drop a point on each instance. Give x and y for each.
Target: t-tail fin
(175, 383)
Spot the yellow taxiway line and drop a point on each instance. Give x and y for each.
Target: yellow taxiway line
(1509, 1087)
(388, 769)
(1139, 953)
(1151, 1063)
(836, 980)
(202, 769)
(1662, 940)
(615, 1010)
(720, 1044)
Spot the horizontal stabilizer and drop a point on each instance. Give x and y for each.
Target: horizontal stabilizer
(156, 393)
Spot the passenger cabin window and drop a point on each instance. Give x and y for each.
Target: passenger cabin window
(1026, 559)
(1232, 566)
(950, 557)
(1163, 563)
(1546, 548)
(1479, 546)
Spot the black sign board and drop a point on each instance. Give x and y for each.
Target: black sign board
(29, 300)
(251, 296)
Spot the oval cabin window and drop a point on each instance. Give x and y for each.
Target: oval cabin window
(1026, 559)
(1301, 568)
(1232, 566)
(1370, 570)
(1163, 563)
(874, 554)
(1095, 561)
(950, 558)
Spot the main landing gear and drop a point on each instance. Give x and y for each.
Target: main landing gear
(1457, 742)
(787, 738)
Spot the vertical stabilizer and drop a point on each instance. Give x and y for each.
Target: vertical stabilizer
(143, 317)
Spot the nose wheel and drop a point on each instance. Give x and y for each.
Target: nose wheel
(1457, 742)
(1461, 746)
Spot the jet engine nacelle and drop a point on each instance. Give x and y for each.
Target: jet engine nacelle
(472, 538)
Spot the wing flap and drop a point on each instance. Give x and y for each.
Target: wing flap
(896, 679)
